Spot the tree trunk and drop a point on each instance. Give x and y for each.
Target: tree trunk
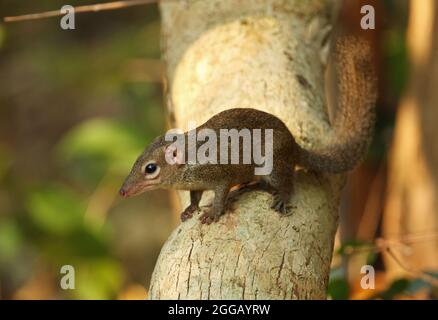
(268, 55)
(411, 212)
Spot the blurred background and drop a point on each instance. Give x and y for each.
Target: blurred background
(78, 106)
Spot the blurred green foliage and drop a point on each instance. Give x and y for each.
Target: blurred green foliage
(2, 35)
(100, 141)
(352, 246)
(55, 210)
(73, 118)
(405, 287)
(338, 287)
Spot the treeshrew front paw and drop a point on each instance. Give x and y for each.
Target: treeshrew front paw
(188, 212)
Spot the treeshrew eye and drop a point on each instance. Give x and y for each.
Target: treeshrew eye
(150, 168)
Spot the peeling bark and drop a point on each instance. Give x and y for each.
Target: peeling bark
(267, 55)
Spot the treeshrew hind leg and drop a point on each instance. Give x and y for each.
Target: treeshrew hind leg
(282, 182)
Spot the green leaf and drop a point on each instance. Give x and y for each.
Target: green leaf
(396, 288)
(349, 246)
(338, 288)
(88, 243)
(104, 139)
(55, 209)
(2, 35)
(10, 240)
(98, 279)
(396, 58)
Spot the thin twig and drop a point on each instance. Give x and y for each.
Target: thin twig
(80, 9)
(387, 245)
(419, 274)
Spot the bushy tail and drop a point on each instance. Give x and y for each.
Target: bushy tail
(354, 121)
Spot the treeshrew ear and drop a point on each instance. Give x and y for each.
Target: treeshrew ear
(173, 155)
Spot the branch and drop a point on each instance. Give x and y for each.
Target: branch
(81, 9)
(419, 274)
(223, 54)
(389, 245)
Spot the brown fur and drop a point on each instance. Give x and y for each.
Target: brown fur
(354, 122)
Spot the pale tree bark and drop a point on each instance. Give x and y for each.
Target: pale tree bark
(411, 212)
(269, 55)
